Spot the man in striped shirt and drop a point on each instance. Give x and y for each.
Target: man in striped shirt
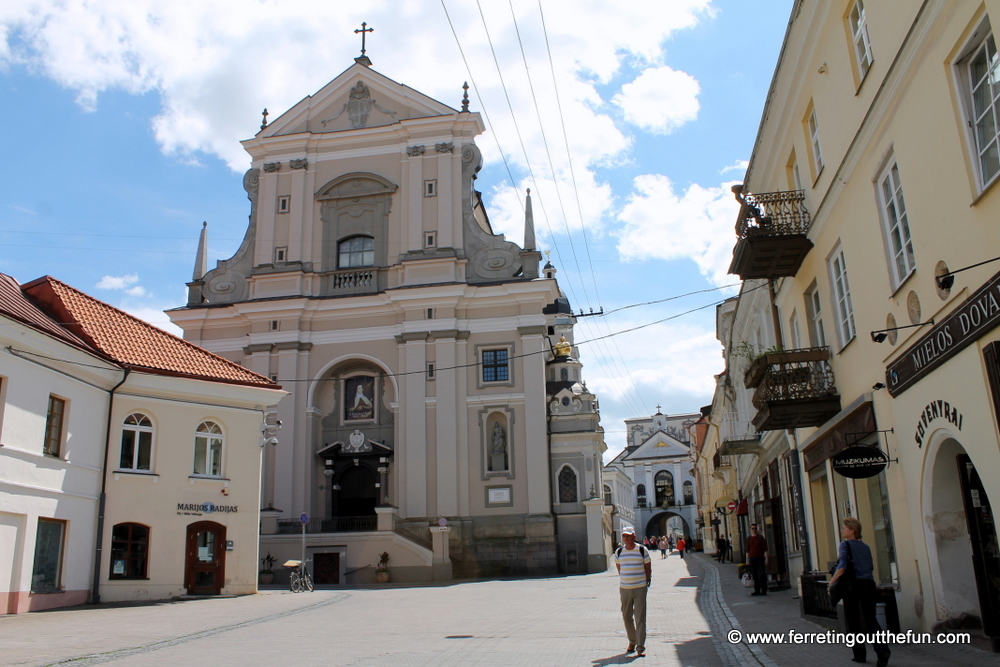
(635, 572)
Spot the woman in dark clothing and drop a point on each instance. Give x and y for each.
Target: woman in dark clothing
(859, 604)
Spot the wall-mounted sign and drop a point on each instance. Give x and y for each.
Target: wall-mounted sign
(936, 410)
(978, 315)
(860, 462)
(205, 508)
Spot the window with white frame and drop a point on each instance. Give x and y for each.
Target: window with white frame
(793, 331)
(842, 294)
(980, 71)
(895, 224)
(815, 149)
(814, 313)
(208, 449)
(137, 443)
(859, 33)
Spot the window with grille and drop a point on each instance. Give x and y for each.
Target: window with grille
(129, 551)
(137, 443)
(355, 252)
(689, 493)
(496, 365)
(567, 485)
(640, 494)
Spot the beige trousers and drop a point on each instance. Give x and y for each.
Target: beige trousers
(634, 615)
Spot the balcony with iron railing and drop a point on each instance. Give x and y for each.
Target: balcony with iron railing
(793, 389)
(771, 234)
(738, 435)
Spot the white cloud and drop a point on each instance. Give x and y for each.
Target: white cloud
(739, 166)
(138, 290)
(118, 282)
(216, 64)
(155, 317)
(660, 100)
(699, 224)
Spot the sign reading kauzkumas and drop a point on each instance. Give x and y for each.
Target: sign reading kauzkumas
(978, 315)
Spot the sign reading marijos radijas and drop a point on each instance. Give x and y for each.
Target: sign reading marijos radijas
(978, 315)
(198, 509)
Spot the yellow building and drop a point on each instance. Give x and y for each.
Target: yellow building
(868, 195)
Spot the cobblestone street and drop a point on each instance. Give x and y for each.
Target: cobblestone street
(693, 603)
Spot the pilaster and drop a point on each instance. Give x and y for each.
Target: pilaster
(536, 435)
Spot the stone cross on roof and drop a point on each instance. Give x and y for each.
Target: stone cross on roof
(363, 59)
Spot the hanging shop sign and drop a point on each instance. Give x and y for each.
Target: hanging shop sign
(977, 316)
(860, 462)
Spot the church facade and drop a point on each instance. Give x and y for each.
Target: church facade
(419, 347)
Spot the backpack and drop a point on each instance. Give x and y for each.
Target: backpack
(642, 551)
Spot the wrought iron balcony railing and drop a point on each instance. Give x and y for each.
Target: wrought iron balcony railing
(795, 388)
(338, 524)
(771, 232)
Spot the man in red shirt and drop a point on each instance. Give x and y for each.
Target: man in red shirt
(757, 559)
(681, 545)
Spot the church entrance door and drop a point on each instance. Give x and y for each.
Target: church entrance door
(327, 569)
(358, 494)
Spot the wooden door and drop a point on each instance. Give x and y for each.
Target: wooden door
(205, 558)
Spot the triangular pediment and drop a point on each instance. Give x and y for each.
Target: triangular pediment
(358, 98)
(658, 445)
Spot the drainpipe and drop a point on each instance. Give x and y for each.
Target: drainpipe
(796, 467)
(95, 593)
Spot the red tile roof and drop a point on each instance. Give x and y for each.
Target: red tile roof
(130, 341)
(15, 305)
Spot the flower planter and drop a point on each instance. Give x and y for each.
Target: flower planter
(382, 577)
(266, 578)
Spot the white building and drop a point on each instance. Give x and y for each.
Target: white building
(130, 459)
(416, 344)
(658, 460)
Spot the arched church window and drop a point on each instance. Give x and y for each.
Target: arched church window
(356, 251)
(688, 493)
(607, 495)
(567, 485)
(564, 374)
(640, 494)
(664, 482)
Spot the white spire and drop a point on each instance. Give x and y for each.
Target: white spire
(201, 259)
(529, 223)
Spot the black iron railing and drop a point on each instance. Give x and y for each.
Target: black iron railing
(773, 214)
(339, 524)
(795, 374)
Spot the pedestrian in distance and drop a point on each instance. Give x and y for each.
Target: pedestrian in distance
(681, 546)
(757, 560)
(662, 546)
(635, 573)
(859, 600)
(720, 548)
(726, 550)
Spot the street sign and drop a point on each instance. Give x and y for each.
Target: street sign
(731, 506)
(304, 518)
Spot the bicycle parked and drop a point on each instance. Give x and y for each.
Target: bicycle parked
(300, 579)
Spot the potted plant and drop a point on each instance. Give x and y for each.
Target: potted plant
(267, 573)
(382, 571)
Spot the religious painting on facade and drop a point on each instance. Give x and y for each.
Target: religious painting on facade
(359, 398)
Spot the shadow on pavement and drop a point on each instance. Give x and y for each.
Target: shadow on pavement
(621, 659)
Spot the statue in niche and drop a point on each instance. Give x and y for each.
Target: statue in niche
(498, 458)
(499, 439)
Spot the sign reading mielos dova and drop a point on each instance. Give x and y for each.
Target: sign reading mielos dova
(978, 315)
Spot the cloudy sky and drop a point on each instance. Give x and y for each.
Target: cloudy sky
(629, 122)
